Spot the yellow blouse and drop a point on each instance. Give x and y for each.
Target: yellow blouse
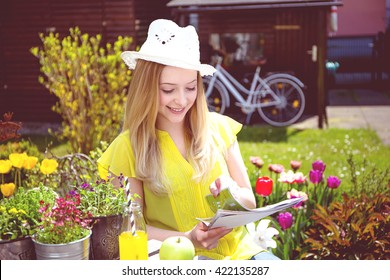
(178, 210)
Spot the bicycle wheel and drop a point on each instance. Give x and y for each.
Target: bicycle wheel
(217, 99)
(291, 105)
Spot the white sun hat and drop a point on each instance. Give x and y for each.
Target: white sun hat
(169, 44)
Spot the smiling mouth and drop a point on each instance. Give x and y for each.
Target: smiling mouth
(176, 110)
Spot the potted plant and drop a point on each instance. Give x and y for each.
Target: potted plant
(105, 202)
(65, 230)
(19, 220)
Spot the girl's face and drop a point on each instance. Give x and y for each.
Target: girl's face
(177, 92)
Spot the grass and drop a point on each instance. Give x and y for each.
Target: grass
(333, 146)
(43, 142)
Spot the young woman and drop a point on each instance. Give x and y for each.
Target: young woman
(173, 150)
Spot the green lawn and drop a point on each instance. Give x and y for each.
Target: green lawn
(332, 146)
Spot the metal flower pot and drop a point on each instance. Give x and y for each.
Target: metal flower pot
(104, 240)
(76, 250)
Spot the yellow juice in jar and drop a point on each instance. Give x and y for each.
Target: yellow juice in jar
(133, 247)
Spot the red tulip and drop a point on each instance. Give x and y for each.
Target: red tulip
(264, 186)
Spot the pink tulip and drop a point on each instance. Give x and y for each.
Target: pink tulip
(333, 182)
(315, 176)
(295, 165)
(319, 165)
(257, 161)
(277, 168)
(285, 220)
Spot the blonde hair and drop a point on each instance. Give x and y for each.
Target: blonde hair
(140, 119)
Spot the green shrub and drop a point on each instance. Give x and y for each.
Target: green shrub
(368, 180)
(19, 214)
(101, 198)
(90, 82)
(19, 147)
(356, 229)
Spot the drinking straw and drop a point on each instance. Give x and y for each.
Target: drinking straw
(127, 189)
(128, 194)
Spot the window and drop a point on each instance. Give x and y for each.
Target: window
(243, 48)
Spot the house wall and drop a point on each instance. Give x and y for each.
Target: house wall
(21, 21)
(358, 44)
(361, 18)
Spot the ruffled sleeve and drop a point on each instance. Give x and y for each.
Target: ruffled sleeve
(227, 127)
(118, 158)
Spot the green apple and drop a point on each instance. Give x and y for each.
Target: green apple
(177, 248)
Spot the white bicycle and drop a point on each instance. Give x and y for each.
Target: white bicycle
(278, 98)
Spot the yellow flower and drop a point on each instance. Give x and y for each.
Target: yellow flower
(7, 189)
(30, 162)
(5, 166)
(18, 159)
(13, 211)
(48, 166)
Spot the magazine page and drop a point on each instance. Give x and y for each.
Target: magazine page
(225, 200)
(234, 218)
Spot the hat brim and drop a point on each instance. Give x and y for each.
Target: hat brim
(131, 57)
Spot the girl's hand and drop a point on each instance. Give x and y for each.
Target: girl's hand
(224, 182)
(244, 195)
(204, 238)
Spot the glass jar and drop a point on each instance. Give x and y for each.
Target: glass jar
(133, 238)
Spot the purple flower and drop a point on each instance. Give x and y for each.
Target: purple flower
(86, 186)
(333, 182)
(285, 220)
(72, 192)
(315, 176)
(319, 165)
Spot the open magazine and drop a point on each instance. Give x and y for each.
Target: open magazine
(230, 213)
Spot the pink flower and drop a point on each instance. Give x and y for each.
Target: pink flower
(285, 220)
(315, 176)
(333, 182)
(295, 165)
(319, 165)
(277, 168)
(290, 177)
(63, 222)
(294, 194)
(287, 177)
(257, 161)
(299, 178)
